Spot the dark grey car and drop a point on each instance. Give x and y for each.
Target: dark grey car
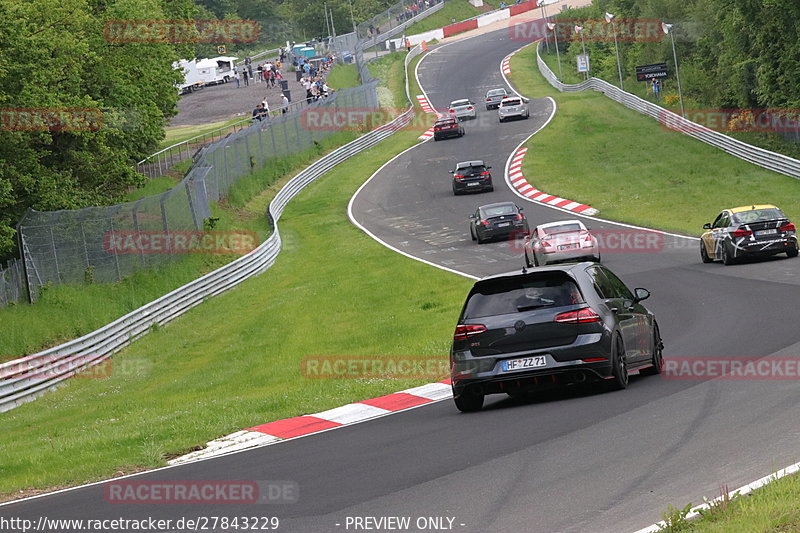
(494, 97)
(524, 331)
(502, 219)
(471, 176)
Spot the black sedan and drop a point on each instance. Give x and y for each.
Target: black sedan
(471, 176)
(502, 219)
(447, 127)
(523, 331)
(750, 231)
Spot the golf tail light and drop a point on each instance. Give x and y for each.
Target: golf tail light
(519, 216)
(580, 316)
(484, 222)
(463, 332)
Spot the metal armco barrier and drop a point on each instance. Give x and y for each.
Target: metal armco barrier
(24, 379)
(776, 162)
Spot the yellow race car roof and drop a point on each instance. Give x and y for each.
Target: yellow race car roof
(751, 207)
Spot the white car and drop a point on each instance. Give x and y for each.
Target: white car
(462, 109)
(513, 107)
(565, 240)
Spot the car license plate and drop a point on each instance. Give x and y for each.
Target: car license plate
(526, 362)
(567, 246)
(472, 184)
(766, 232)
(503, 224)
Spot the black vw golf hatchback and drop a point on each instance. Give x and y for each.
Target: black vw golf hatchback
(571, 323)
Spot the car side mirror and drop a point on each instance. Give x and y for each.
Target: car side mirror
(488, 168)
(641, 294)
(525, 100)
(472, 217)
(452, 172)
(521, 208)
(707, 225)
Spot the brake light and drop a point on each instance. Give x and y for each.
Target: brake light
(741, 233)
(581, 316)
(588, 238)
(519, 215)
(594, 360)
(452, 111)
(463, 332)
(787, 227)
(488, 99)
(459, 176)
(546, 244)
(484, 223)
(485, 173)
(469, 108)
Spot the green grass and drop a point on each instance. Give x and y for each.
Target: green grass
(771, 509)
(453, 9)
(344, 76)
(177, 134)
(628, 166)
(234, 362)
(392, 89)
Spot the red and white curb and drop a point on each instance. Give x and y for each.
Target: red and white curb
(505, 66)
(518, 181)
(300, 426)
(426, 106)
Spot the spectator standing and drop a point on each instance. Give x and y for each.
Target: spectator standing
(257, 113)
(285, 105)
(237, 78)
(260, 77)
(245, 77)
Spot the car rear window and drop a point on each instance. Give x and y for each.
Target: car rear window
(458, 103)
(498, 210)
(514, 295)
(507, 103)
(758, 215)
(473, 169)
(563, 228)
(497, 92)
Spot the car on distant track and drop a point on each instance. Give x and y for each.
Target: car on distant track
(447, 127)
(513, 107)
(462, 109)
(471, 176)
(502, 219)
(565, 240)
(749, 231)
(529, 330)
(493, 98)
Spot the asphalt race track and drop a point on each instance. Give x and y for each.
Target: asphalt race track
(572, 461)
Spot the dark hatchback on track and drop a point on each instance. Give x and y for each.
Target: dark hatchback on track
(524, 331)
(471, 176)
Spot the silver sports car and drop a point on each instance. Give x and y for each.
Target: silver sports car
(462, 109)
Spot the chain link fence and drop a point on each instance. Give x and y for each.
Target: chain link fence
(76, 246)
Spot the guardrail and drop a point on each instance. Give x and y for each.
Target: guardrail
(26, 378)
(776, 162)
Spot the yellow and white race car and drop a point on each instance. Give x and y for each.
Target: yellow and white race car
(749, 231)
